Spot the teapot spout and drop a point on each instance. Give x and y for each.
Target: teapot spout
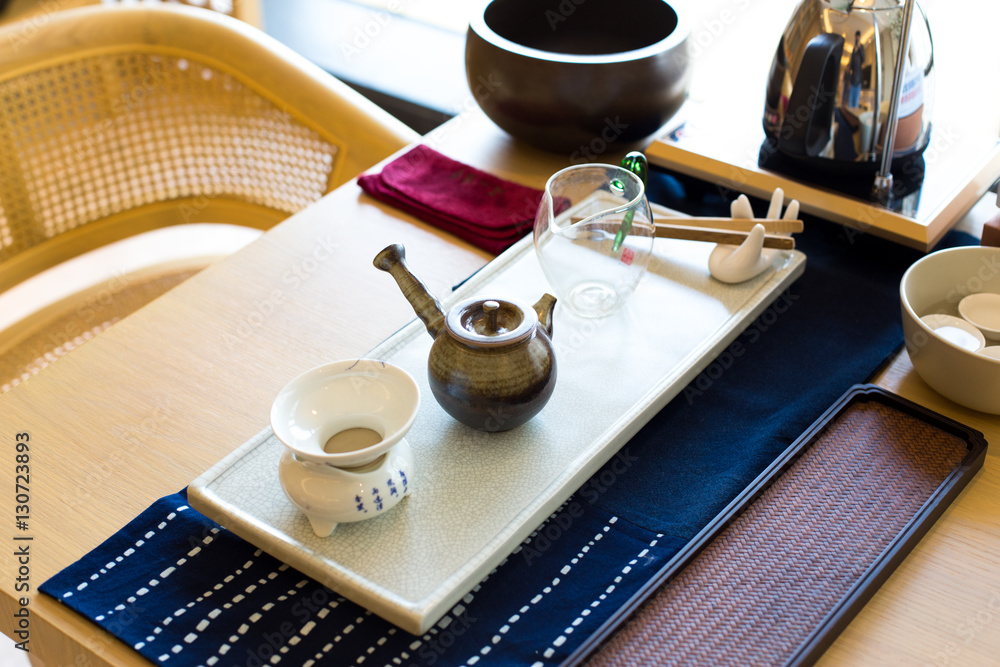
(392, 260)
(544, 308)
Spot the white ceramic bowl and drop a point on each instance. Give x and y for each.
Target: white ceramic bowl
(341, 395)
(983, 311)
(956, 330)
(936, 284)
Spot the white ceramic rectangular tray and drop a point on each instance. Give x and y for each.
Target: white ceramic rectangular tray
(476, 496)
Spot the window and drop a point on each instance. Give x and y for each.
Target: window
(408, 56)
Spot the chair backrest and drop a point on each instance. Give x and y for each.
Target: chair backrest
(120, 119)
(249, 11)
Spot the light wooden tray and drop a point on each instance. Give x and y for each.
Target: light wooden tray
(476, 496)
(719, 145)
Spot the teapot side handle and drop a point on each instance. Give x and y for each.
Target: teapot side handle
(544, 308)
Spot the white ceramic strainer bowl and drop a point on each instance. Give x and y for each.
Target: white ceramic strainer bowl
(341, 395)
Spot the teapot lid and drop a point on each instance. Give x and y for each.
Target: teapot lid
(491, 322)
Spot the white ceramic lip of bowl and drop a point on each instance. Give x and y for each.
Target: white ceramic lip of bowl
(982, 310)
(967, 378)
(344, 394)
(937, 321)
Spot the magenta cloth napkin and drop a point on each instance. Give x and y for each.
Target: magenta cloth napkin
(478, 207)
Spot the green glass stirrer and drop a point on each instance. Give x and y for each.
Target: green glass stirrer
(636, 163)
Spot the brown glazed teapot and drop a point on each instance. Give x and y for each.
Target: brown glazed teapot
(492, 365)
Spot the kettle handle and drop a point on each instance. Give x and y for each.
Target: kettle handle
(930, 37)
(805, 130)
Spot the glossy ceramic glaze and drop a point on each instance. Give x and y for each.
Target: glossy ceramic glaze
(956, 331)
(494, 387)
(982, 311)
(492, 365)
(577, 76)
(936, 284)
(328, 495)
(333, 484)
(737, 264)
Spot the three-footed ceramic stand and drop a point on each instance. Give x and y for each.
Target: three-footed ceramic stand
(329, 495)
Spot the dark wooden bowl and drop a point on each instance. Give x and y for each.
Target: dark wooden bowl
(578, 76)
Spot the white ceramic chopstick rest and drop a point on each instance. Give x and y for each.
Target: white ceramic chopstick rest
(736, 264)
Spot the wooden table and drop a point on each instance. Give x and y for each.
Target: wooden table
(150, 404)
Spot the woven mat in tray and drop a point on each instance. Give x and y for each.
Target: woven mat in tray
(760, 589)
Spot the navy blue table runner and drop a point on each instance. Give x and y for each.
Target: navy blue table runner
(183, 591)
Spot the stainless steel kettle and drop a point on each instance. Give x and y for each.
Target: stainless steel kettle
(838, 74)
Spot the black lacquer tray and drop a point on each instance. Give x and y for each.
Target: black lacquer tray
(783, 569)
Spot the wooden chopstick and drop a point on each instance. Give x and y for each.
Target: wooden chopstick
(771, 225)
(722, 234)
(687, 233)
(678, 219)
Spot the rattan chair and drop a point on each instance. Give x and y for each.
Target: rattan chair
(118, 120)
(16, 10)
